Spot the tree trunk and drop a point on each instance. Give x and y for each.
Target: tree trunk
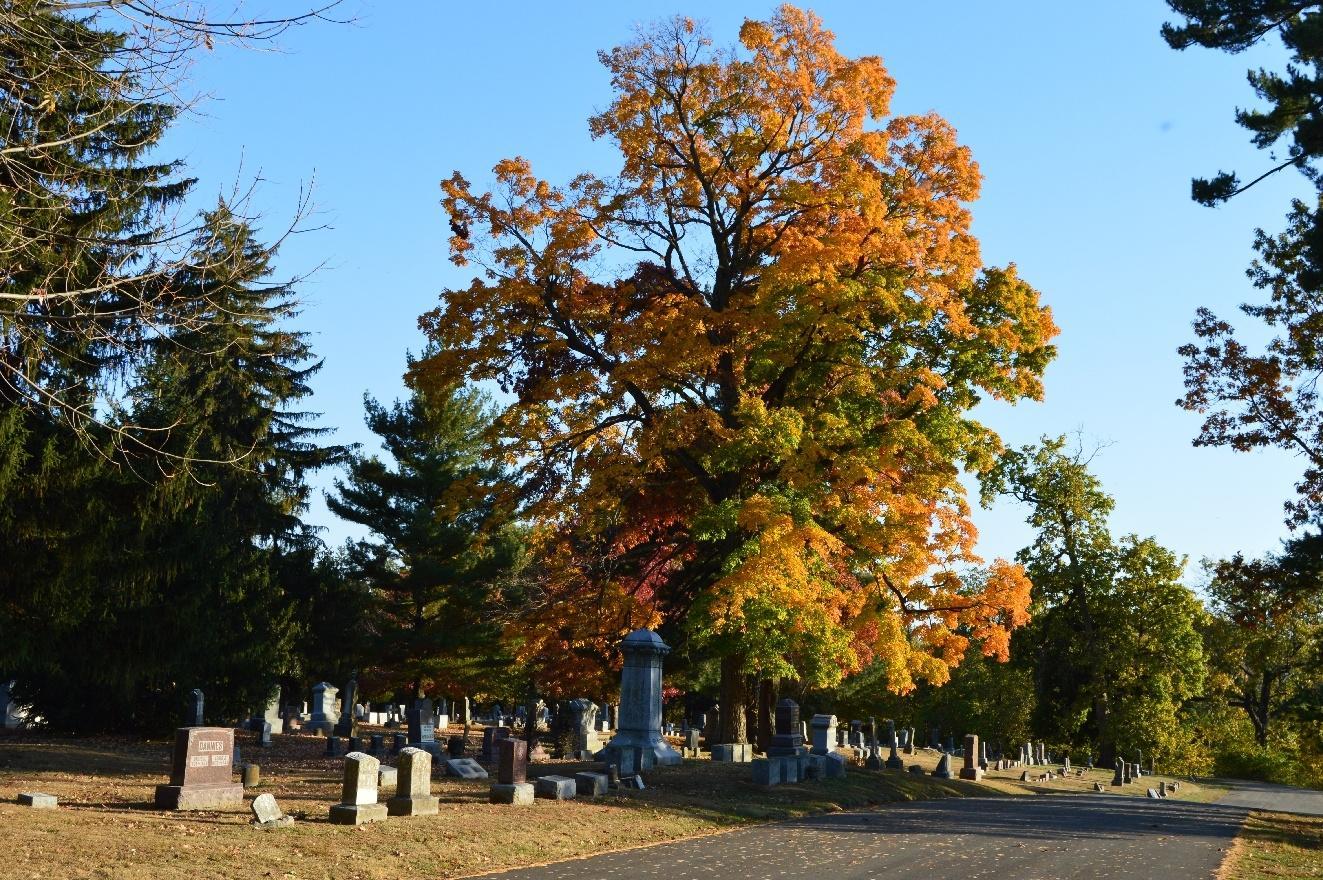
(766, 706)
(734, 700)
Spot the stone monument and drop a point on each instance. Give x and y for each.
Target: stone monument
(823, 728)
(201, 771)
(971, 770)
(641, 699)
(324, 716)
(347, 724)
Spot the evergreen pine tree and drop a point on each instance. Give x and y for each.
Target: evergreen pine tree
(217, 496)
(441, 546)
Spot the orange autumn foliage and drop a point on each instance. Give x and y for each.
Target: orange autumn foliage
(742, 367)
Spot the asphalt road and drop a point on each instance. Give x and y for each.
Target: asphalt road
(1047, 837)
(1278, 798)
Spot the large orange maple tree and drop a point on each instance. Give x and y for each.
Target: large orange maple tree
(744, 364)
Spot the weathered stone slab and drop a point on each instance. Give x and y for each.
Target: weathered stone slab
(1099, 787)
(267, 815)
(520, 794)
(1153, 793)
(556, 788)
(387, 778)
(734, 753)
(465, 768)
(590, 784)
(834, 766)
(38, 801)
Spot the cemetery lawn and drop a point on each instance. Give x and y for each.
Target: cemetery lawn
(1272, 846)
(107, 826)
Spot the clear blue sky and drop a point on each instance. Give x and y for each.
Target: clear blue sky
(1086, 126)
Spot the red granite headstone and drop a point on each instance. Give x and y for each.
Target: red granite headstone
(201, 775)
(513, 766)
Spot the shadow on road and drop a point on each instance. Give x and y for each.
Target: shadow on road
(1045, 817)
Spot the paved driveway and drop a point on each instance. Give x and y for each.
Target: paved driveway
(1279, 798)
(1014, 838)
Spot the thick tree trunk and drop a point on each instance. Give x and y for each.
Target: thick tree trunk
(734, 700)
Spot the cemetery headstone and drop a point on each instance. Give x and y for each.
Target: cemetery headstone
(766, 771)
(38, 801)
(823, 728)
(413, 785)
(194, 716)
(490, 737)
(943, 768)
(455, 746)
(971, 770)
(556, 788)
(377, 745)
(347, 725)
(787, 740)
(590, 784)
(856, 739)
(465, 768)
(358, 796)
(583, 717)
(332, 745)
(272, 713)
(9, 713)
(983, 755)
(201, 772)
(324, 716)
(909, 743)
(893, 760)
(1118, 778)
(641, 698)
(267, 814)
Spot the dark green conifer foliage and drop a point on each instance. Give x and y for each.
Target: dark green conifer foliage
(190, 594)
(442, 548)
(80, 197)
(82, 204)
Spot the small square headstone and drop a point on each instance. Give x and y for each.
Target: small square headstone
(38, 801)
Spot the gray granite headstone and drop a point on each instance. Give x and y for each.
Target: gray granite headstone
(359, 792)
(943, 768)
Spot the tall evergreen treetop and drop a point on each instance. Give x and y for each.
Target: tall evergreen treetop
(442, 545)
